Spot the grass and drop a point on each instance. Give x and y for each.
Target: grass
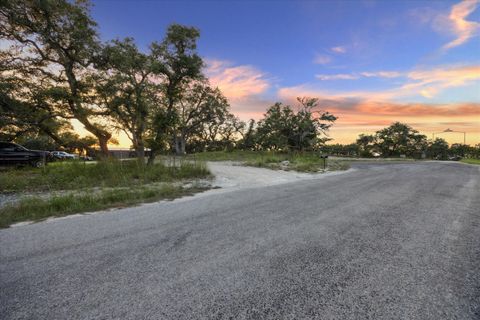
(73, 187)
(471, 161)
(303, 162)
(78, 175)
(38, 208)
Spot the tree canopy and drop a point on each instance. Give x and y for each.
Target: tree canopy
(283, 128)
(55, 69)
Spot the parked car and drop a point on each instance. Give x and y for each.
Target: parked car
(450, 158)
(15, 154)
(454, 158)
(62, 155)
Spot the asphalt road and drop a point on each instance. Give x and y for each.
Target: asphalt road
(396, 241)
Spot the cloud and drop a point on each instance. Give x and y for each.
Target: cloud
(339, 49)
(457, 23)
(236, 82)
(429, 83)
(322, 59)
(418, 109)
(419, 83)
(341, 76)
(382, 74)
(366, 106)
(354, 76)
(426, 83)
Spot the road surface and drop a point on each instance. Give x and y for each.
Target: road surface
(393, 241)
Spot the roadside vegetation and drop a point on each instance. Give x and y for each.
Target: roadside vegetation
(73, 187)
(471, 161)
(111, 173)
(302, 162)
(35, 208)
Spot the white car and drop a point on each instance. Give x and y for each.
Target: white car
(62, 155)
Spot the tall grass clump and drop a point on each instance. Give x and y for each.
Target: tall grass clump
(108, 173)
(37, 208)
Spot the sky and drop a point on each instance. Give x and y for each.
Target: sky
(370, 63)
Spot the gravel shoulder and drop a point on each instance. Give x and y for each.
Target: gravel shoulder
(233, 175)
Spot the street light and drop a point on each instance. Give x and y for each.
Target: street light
(450, 130)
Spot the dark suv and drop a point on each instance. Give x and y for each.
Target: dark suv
(14, 154)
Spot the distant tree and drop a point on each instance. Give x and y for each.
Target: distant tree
(284, 129)
(199, 106)
(83, 145)
(126, 90)
(460, 149)
(274, 130)
(229, 132)
(248, 140)
(398, 139)
(437, 149)
(366, 144)
(476, 151)
(177, 63)
(416, 146)
(54, 42)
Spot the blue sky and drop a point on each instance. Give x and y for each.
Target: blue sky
(359, 57)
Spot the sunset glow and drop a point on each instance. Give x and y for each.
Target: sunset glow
(369, 62)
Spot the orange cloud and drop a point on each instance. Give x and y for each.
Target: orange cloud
(462, 28)
(363, 106)
(418, 109)
(360, 112)
(430, 82)
(236, 82)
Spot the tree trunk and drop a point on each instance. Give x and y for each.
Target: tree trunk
(176, 142)
(151, 156)
(76, 107)
(103, 141)
(179, 143)
(140, 151)
(182, 145)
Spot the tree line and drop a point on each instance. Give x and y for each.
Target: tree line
(55, 69)
(400, 139)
